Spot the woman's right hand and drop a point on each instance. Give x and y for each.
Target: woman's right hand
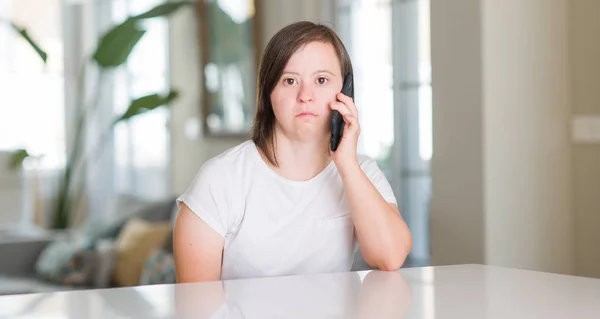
(197, 248)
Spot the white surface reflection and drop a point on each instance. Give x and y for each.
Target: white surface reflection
(463, 291)
(380, 295)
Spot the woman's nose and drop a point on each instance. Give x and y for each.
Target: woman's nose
(306, 93)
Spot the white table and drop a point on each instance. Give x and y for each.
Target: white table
(465, 291)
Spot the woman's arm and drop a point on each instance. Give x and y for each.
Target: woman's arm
(198, 249)
(383, 236)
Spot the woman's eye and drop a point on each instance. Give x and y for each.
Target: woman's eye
(322, 80)
(289, 81)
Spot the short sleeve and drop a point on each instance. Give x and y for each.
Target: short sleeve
(208, 198)
(372, 170)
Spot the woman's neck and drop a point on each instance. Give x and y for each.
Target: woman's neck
(300, 160)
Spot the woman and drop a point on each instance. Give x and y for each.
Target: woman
(283, 203)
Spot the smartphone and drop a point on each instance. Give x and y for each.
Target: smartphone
(337, 122)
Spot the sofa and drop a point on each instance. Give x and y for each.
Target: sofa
(131, 245)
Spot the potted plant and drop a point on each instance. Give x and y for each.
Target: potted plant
(113, 50)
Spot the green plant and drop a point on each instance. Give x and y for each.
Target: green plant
(113, 50)
(25, 35)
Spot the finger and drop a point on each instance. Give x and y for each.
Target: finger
(340, 107)
(352, 122)
(348, 101)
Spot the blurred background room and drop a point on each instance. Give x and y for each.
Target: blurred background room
(483, 114)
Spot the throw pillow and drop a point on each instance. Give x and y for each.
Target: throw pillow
(81, 270)
(159, 269)
(134, 244)
(67, 261)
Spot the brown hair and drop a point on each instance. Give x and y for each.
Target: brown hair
(275, 57)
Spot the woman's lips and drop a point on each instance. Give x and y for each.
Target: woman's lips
(306, 114)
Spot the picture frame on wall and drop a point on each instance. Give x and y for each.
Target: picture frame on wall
(229, 55)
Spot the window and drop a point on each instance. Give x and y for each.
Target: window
(32, 94)
(141, 146)
(135, 160)
(412, 97)
(388, 41)
(366, 29)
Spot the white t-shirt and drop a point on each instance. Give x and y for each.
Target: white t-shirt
(273, 226)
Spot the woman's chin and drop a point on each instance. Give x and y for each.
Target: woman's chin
(311, 133)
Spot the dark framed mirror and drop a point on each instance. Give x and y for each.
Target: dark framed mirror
(229, 50)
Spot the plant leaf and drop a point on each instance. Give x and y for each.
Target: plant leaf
(147, 103)
(116, 45)
(15, 160)
(43, 55)
(162, 10)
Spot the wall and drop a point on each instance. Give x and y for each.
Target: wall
(501, 165)
(585, 64)
(189, 152)
(457, 220)
(527, 137)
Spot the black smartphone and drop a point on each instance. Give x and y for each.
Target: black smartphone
(337, 122)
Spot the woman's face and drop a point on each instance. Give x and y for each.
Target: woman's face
(310, 81)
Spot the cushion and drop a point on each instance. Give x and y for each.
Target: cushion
(159, 269)
(133, 247)
(67, 261)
